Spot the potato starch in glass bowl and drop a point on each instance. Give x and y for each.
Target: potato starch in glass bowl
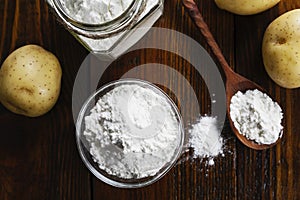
(132, 132)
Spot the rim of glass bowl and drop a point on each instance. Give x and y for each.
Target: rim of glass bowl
(91, 165)
(101, 30)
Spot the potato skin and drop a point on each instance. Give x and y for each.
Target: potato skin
(246, 7)
(30, 81)
(281, 49)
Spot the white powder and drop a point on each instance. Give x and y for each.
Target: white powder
(256, 116)
(132, 131)
(205, 139)
(95, 11)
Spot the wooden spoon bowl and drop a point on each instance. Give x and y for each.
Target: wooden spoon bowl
(234, 81)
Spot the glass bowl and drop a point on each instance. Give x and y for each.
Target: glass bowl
(84, 143)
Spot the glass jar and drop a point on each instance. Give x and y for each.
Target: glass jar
(109, 38)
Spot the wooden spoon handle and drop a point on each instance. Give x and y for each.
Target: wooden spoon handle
(195, 14)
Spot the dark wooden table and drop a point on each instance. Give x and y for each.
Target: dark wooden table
(39, 157)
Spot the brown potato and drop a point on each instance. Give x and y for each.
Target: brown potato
(246, 7)
(281, 49)
(30, 80)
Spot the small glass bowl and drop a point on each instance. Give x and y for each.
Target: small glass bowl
(83, 145)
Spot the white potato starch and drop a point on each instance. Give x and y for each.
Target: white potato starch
(133, 132)
(256, 116)
(205, 139)
(95, 11)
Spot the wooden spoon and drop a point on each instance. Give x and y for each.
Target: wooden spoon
(234, 81)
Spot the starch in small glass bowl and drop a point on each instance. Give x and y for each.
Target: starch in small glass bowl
(129, 133)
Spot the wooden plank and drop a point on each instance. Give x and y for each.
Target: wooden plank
(38, 156)
(269, 174)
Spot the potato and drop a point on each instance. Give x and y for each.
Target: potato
(246, 7)
(30, 80)
(281, 49)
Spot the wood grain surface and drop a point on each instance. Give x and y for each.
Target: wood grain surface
(39, 158)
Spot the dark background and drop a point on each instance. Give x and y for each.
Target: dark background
(39, 158)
